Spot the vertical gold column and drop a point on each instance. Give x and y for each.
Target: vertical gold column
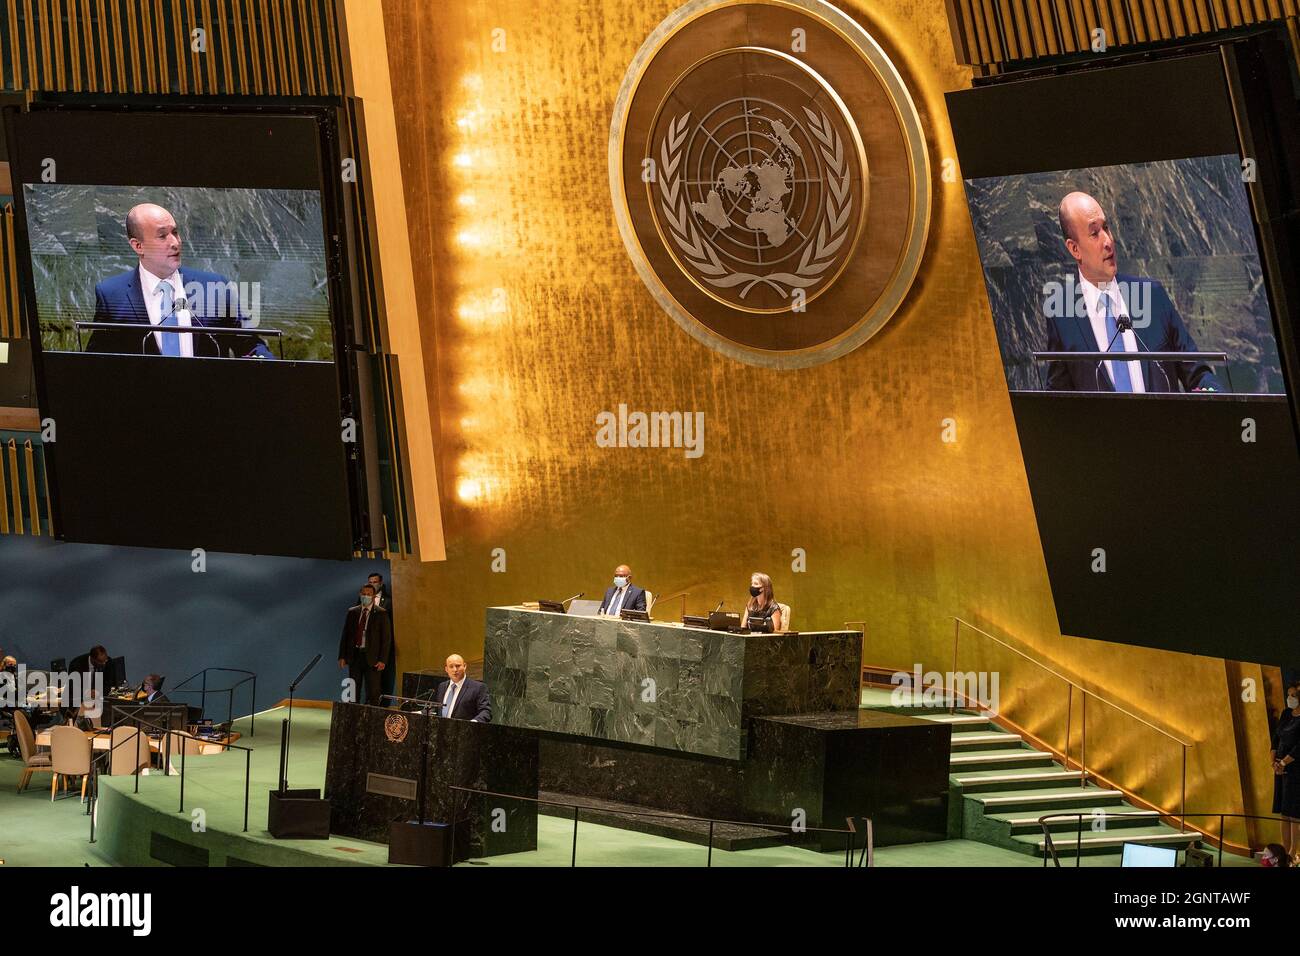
(33, 503)
(366, 70)
(14, 493)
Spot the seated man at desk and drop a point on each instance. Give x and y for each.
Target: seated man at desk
(624, 595)
(149, 690)
(461, 697)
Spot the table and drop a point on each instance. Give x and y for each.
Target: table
(100, 740)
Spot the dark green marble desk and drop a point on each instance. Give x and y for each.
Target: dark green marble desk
(662, 686)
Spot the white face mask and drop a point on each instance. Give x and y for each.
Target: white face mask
(1293, 702)
(365, 600)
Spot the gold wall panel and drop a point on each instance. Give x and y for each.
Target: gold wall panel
(534, 321)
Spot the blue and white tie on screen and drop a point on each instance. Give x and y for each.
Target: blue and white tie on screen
(1119, 370)
(616, 605)
(449, 701)
(171, 344)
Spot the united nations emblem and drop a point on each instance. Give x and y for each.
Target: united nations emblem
(395, 727)
(777, 217)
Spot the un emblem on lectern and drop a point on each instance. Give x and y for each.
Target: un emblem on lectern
(396, 727)
(743, 178)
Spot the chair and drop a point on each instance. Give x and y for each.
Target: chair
(33, 762)
(70, 752)
(130, 751)
(649, 601)
(179, 742)
(97, 721)
(785, 616)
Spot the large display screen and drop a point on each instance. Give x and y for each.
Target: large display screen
(1120, 244)
(1139, 258)
(117, 267)
(184, 339)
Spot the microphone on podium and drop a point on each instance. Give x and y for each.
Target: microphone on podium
(680, 594)
(1125, 324)
(181, 307)
(567, 601)
(719, 607)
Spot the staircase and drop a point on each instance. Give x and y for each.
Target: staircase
(1000, 786)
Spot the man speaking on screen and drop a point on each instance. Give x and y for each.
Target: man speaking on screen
(158, 293)
(1115, 313)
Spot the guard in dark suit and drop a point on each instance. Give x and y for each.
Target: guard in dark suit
(384, 600)
(364, 645)
(208, 298)
(461, 697)
(624, 595)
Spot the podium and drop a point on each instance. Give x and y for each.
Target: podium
(376, 759)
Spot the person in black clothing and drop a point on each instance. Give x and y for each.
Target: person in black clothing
(762, 613)
(384, 601)
(94, 661)
(1286, 781)
(364, 645)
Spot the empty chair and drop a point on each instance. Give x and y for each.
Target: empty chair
(177, 743)
(33, 762)
(785, 616)
(130, 751)
(70, 752)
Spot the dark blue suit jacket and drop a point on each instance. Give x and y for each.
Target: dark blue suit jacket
(472, 704)
(635, 600)
(1162, 330)
(120, 299)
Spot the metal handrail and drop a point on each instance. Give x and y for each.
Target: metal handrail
(1069, 712)
(139, 722)
(1050, 845)
(850, 831)
(230, 701)
(1054, 673)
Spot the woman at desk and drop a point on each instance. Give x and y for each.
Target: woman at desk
(762, 613)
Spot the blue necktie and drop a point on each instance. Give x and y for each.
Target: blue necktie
(1123, 383)
(171, 344)
(448, 700)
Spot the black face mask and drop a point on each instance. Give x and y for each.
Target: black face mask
(755, 592)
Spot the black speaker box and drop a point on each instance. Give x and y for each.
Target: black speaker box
(298, 815)
(419, 844)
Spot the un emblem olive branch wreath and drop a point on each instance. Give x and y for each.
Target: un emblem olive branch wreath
(817, 255)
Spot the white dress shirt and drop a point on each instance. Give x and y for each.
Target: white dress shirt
(153, 305)
(449, 698)
(1097, 318)
(616, 600)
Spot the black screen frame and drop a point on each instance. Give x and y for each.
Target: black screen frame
(1256, 116)
(205, 168)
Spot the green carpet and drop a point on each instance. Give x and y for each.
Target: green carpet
(36, 832)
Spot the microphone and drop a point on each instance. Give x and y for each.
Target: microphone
(1128, 324)
(679, 594)
(567, 601)
(1122, 324)
(719, 607)
(185, 318)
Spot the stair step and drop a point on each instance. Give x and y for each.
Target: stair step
(984, 780)
(1101, 842)
(1115, 819)
(1003, 801)
(981, 740)
(957, 720)
(992, 759)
